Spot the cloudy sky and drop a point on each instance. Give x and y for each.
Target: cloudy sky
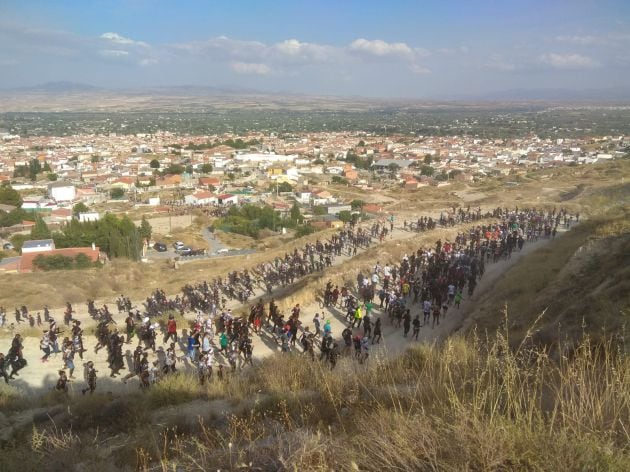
(393, 48)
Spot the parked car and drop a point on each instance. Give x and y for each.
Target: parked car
(185, 251)
(159, 247)
(8, 247)
(178, 245)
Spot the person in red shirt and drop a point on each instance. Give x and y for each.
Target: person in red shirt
(171, 329)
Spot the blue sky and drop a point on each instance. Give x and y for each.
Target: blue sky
(399, 48)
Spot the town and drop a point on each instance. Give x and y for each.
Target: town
(307, 177)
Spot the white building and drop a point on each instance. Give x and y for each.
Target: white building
(62, 191)
(89, 216)
(38, 245)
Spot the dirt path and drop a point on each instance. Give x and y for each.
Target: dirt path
(39, 377)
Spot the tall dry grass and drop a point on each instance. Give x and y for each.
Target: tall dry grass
(467, 404)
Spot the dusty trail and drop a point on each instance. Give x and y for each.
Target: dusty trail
(39, 377)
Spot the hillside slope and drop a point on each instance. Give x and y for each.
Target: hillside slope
(577, 284)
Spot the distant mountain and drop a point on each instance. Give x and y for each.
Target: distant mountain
(58, 87)
(554, 94)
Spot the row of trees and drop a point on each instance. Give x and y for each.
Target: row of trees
(250, 219)
(117, 237)
(61, 262)
(180, 169)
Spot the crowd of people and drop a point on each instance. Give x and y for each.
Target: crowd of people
(414, 292)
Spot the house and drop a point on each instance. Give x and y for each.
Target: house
(326, 221)
(303, 197)
(171, 180)
(38, 245)
(201, 197)
(336, 209)
(410, 183)
(372, 208)
(62, 191)
(61, 214)
(351, 174)
(123, 182)
(89, 216)
(209, 182)
(228, 199)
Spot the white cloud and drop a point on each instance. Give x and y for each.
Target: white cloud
(118, 39)
(293, 49)
(380, 48)
(586, 40)
(418, 69)
(113, 53)
(567, 61)
(148, 62)
(250, 68)
(498, 62)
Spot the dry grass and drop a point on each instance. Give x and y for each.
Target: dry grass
(465, 405)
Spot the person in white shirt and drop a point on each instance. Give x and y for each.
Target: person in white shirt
(451, 293)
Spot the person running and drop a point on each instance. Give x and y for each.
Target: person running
(317, 322)
(62, 382)
(90, 376)
(436, 316)
(426, 310)
(406, 322)
(416, 327)
(358, 316)
(458, 298)
(44, 345)
(378, 330)
(365, 350)
(171, 329)
(3, 368)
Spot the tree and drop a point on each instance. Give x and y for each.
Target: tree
(154, 164)
(280, 187)
(205, 168)
(361, 144)
(393, 168)
(117, 193)
(428, 159)
(320, 210)
(145, 229)
(9, 196)
(357, 205)
(174, 169)
(40, 230)
(339, 180)
(18, 239)
(52, 176)
(189, 169)
(79, 208)
(442, 176)
(345, 216)
(296, 215)
(427, 170)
